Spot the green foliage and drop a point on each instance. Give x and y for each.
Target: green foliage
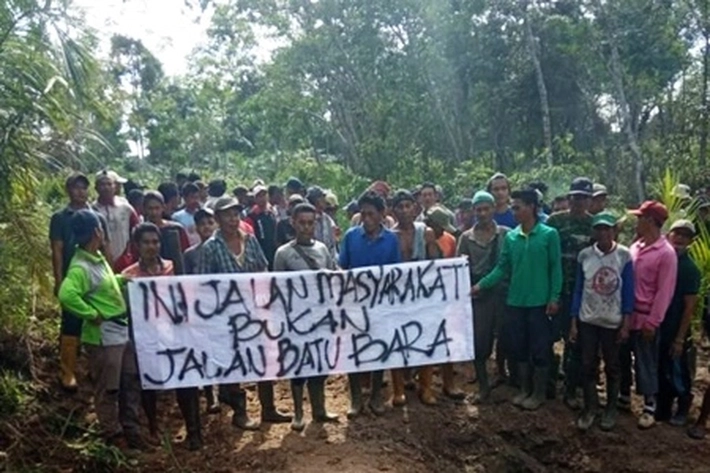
(13, 394)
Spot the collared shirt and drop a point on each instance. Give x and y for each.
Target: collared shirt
(121, 219)
(217, 258)
(655, 273)
(90, 290)
(358, 250)
(534, 264)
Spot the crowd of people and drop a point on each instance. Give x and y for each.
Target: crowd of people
(539, 275)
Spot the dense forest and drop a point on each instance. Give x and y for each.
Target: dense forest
(401, 90)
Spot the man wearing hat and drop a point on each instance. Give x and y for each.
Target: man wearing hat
(231, 250)
(295, 186)
(262, 218)
(675, 378)
(284, 228)
(575, 229)
(63, 244)
(599, 197)
(655, 270)
(325, 226)
(601, 309)
(119, 215)
(482, 245)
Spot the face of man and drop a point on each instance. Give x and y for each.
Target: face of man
(404, 211)
(305, 225)
(206, 227)
(579, 204)
(78, 194)
(261, 199)
(106, 188)
(153, 210)
(500, 190)
(521, 211)
(484, 212)
(277, 199)
(371, 218)
(598, 204)
(203, 195)
(149, 246)
(644, 225)
(192, 201)
(680, 238)
(604, 235)
(560, 205)
(228, 220)
(428, 197)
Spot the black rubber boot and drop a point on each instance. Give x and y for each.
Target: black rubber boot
(608, 421)
(297, 392)
(525, 384)
(376, 404)
(355, 386)
(680, 419)
(236, 398)
(189, 403)
(591, 405)
(316, 391)
(539, 385)
(269, 413)
(149, 400)
(484, 387)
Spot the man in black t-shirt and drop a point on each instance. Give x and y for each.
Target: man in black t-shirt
(674, 373)
(61, 237)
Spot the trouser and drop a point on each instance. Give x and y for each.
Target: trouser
(531, 335)
(592, 340)
(71, 324)
(114, 376)
(313, 379)
(572, 356)
(485, 309)
(645, 363)
(674, 374)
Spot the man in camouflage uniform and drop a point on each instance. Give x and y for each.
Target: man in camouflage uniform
(575, 229)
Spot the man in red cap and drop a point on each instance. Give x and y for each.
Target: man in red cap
(655, 269)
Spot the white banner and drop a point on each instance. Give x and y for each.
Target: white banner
(228, 328)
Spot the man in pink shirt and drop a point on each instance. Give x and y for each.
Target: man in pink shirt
(655, 267)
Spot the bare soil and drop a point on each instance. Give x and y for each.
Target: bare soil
(51, 435)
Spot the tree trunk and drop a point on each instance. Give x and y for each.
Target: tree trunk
(704, 100)
(627, 122)
(541, 87)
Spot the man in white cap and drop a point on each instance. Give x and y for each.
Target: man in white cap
(120, 216)
(599, 197)
(674, 377)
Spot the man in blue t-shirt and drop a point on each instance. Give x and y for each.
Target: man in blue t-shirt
(499, 186)
(368, 244)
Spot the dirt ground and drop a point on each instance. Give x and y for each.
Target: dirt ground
(449, 437)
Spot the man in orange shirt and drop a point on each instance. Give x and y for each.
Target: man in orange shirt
(439, 220)
(147, 241)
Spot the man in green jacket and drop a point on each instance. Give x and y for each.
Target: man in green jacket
(531, 260)
(92, 291)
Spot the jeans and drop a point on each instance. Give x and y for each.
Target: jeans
(531, 335)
